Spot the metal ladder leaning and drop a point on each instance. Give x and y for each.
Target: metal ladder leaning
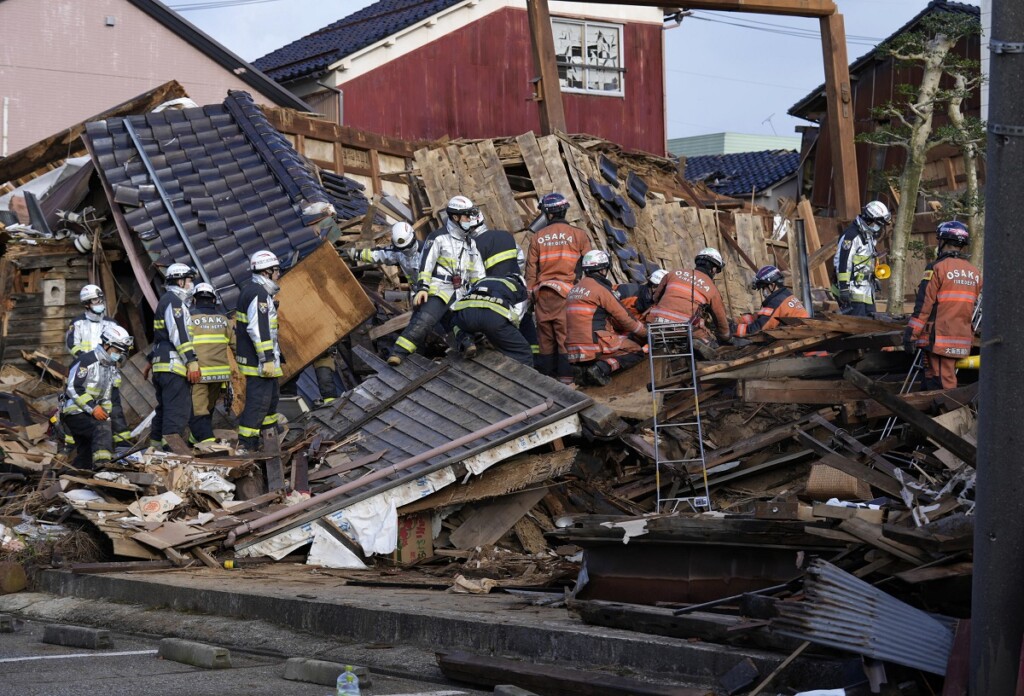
(918, 366)
(672, 344)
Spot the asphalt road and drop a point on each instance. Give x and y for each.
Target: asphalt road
(131, 667)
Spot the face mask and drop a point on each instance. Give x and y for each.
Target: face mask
(98, 309)
(116, 357)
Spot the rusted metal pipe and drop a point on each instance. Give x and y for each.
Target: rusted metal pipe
(384, 472)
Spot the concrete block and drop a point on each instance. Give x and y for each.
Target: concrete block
(321, 672)
(195, 654)
(510, 690)
(6, 623)
(77, 637)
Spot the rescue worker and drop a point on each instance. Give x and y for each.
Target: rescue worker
(91, 399)
(942, 323)
(211, 336)
(258, 350)
(450, 264)
(854, 260)
(503, 257)
(553, 267)
(403, 252)
(173, 356)
(638, 297)
(598, 327)
(690, 295)
(490, 309)
(777, 302)
(83, 335)
(84, 332)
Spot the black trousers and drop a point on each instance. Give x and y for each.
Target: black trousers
(425, 318)
(528, 328)
(502, 334)
(260, 411)
(94, 440)
(173, 405)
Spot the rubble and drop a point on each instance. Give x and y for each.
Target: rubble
(484, 476)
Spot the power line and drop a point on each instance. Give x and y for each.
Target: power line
(736, 79)
(217, 4)
(786, 31)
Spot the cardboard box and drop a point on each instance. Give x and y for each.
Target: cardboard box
(415, 537)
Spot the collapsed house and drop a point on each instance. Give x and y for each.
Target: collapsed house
(686, 498)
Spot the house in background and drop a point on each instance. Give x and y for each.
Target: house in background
(763, 176)
(730, 143)
(65, 60)
(463, 69)
(875, 80)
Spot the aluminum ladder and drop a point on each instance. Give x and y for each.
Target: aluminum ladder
(671, 345)
(918, 366)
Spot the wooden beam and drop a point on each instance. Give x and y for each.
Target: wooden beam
(793, 8)
(839, 97)
(917, 420)
(796, 391)
(548, 89)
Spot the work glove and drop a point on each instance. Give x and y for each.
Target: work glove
(845, 297)
(909, 344)
(267, 369)
(420, 299)
(194, 374)
(99, 414)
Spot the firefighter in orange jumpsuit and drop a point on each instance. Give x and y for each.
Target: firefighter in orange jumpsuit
(552, 268)
(777, 302)
(688, 295)
(599, 327)
(942, 323)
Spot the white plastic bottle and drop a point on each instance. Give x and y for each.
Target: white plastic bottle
(348, 683)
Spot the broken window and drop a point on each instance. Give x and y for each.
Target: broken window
(589, 56)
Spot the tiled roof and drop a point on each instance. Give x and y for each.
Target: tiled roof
(311, 54)
(235, 183)
(802, 107)
(739, 173)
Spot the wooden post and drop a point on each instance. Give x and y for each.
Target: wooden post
(839, 97)
(549, 90)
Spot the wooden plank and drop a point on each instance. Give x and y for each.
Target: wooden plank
(321, 302)
(533, 158)
(872, 534)
(819, 276)
(750, 237)
(917, 420)
(958, 668)
(774, 351)
(840, 109)
(390, 326)
(488, 523)
(560, 182)
(275, 469)
(796, 391)
(512, 219)
(530, 536)
(548, 90)
(347, 466)
(854, 468)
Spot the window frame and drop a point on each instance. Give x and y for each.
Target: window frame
(584, 25)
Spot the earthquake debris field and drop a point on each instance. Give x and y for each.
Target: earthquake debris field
(789, 495)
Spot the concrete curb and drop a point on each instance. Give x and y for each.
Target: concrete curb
(195, 654)
(77, 637)
(322, 672)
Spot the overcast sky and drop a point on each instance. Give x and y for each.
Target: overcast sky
(726, 71)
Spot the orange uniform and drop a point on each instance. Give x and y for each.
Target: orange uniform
(599, 326)
(943, 323)
(684, 296)
(552, 265)
(779, 305)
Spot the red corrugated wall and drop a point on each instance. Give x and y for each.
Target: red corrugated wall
(474, 83)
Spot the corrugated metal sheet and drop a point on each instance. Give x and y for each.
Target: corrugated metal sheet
(842, 611)
(462, 398)
(235, 182)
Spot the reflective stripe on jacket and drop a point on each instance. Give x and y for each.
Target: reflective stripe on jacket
(211, 336)
(779, 305)
(944, 319)
(596, 322)
(84, 332)
(407, 259)
(683, 296)
(256, 327)
(172, 338)
(92, 381)
(854, 263)
(451, 255)
(500, 295)
(553, 260)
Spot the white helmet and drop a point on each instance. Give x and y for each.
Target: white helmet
(460, 205)
(177, 271)
(875, 215)
(710, 255)
(204, 289)
(596, 260)
(262, 260)
(116, 337)
(402, 235)
(90, 293)
(656, 276)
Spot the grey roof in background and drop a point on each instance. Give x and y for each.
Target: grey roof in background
(236, 184)
(465, 397)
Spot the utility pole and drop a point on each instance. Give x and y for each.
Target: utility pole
(547, 89)
(997, 607)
